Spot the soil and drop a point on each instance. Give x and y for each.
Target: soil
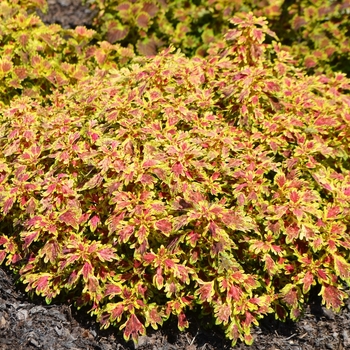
(31, 324)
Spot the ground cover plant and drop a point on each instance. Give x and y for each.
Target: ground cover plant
(219, 184)
(37, 59)
(315, 32)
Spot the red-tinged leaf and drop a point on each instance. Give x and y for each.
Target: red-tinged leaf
(115, 32)
(333, 212)
(270, 265)
(149, 257)
(206, 291)
(169, 263)
(69, 217)
(223, 313)
(178, 169)
(294, 197)
(233, 34)
(332, 296)
(147, 179)
(73, 278)
(126, 233)
(133, 328)
(5, 66)
(298, 213)
(16, 258)
(124, 6)
(112, 290)
(347, 191)
(310, 62)
(116, 311)
(295, 313)
(233, 332)
(84, 32)
(106, 254)
(258, 35)
(2, 256)
(248, 339)
(30, 237)
(158, 280)
(3, 240)
(244, 109)
(93, 222)
(42, 283)
(249, 319)
(308, 281)
(142, 20)
(182, 322)
(164, 226)
(150, 9)
(324, 121)
(8, 204)
(113, 222)
(298, 22)
(281, 312)
(290, 295)
(93, 284)
(149, 163)
(87, 270)
(154, 317)
(193, 238)
(95, 181)
(332, 245)
(342, 267)
(321, 274)
(235, 293)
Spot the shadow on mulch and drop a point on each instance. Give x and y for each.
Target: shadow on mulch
(31, 324)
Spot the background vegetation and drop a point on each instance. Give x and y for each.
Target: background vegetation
(190, 155)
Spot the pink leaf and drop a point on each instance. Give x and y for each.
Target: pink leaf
(28, 239)
(178, 169)
(8, 204)
(182, 322)
(112, 290)
(149, 257)
(94, 221)
(87, 270)
(308, 280)
(294, 197)
(331, 296)
(69, 218)
(164, 225)
(142, 20)
(133, 327)
(106, 254)
(2, 256)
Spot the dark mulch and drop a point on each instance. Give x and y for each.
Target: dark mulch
(31, 324)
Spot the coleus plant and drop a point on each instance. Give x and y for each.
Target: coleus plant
(316, 32)
(37, 59)
(220, 184)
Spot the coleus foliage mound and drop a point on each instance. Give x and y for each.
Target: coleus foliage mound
(36, 59)
(220, 184)
(316, 32)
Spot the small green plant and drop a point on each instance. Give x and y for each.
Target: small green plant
(220, 184)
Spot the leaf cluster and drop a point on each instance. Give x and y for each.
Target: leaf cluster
(316, 32)
(37, 59)
(220, 183)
